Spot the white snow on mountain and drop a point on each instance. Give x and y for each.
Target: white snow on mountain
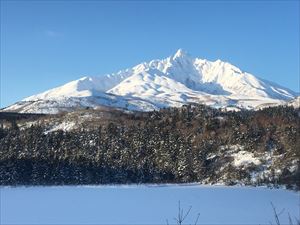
(174, 81)
(295, 102)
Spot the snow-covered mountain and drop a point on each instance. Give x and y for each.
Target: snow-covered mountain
(174, 81)
(295, 102)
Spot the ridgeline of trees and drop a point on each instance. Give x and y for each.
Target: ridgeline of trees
(174, 145)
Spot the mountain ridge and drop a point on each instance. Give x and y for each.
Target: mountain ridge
(171, 82)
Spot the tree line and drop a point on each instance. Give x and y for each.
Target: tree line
(173, 145)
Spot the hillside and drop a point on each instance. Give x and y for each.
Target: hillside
(193, 143)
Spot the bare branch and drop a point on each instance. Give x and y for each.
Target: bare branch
(182, 215)
(196, 221)
(290, 220)
(276, 214)
(187, 213)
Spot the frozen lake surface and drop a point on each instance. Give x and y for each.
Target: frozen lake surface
(144, 204)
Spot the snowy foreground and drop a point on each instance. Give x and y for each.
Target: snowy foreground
(144, 204)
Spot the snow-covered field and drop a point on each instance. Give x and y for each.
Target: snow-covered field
(151, 204)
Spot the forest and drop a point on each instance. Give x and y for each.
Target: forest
(194, 143)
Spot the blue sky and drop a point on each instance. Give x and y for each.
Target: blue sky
(45, 44)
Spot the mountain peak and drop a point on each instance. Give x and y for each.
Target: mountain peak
(180, 53)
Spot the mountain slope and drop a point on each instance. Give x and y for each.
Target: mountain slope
(174, 81)
(192, 143)
(295, 102)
